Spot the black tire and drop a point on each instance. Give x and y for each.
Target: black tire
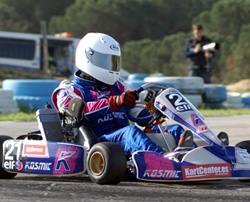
(244, 145)
(106, 163)
(4, 174)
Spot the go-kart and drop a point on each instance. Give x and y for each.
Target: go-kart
(62, 148)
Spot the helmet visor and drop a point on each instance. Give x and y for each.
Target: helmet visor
(106, 61)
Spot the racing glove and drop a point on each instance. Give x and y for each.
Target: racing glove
(76, 109)
(126, 98)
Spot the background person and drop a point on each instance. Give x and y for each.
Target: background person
(199, 61)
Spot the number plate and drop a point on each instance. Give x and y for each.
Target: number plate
(178, 102)
(11, 154)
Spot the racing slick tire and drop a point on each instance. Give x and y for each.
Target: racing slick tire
(244, 145)
(4, 174)
(106, 163)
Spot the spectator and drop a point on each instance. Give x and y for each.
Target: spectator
(199, 60)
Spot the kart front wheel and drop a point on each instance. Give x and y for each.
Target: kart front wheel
(244, 145)
(4, 174)
(106, 163)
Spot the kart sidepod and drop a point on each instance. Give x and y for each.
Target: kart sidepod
(209, 160)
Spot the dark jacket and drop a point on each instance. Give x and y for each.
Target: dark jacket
(197, 60)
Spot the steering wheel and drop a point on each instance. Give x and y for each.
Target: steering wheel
(150, 118)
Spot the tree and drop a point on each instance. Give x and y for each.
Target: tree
(9, 19)
(171, 55)
(226, 17)
(241, 68)
(156, 56)
(129, 19)
(140, 56)
(151, 33)
(25, 16)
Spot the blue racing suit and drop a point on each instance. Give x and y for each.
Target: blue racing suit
(107, 125)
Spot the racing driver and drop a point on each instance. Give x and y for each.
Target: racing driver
(97, 95)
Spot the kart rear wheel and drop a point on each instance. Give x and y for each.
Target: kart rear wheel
(244, 145)
(106, 163)
(4, 174)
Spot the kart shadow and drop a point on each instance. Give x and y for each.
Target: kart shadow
(210, 184)
(73, 179)
(229, 184)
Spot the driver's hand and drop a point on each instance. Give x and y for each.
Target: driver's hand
(148, 96)
(127, 98)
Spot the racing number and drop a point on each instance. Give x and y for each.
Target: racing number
(178, 102)
(10, 148)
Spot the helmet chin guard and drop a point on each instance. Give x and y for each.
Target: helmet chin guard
(99, 55)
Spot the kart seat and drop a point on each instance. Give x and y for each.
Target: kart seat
(49, 124)
(86, 137)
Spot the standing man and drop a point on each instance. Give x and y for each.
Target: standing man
(199, 60)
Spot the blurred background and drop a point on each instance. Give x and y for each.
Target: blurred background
(151, 33)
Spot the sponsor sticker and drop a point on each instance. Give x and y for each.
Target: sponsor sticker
(114, 47)
(31, 165)
(198, 123)
(19, 165)
(164, 174)
(206, 171)
(68, 160)
(62, 162)
(35, 150)
(9, 165)
(245, 156)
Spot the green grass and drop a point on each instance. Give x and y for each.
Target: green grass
(22, 116)
(225, 112)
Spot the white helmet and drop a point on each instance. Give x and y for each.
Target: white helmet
(99, 56)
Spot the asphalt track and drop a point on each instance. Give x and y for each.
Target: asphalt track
(38, 188)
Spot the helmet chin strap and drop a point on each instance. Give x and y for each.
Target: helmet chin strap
(86, 76)
(102, 86)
